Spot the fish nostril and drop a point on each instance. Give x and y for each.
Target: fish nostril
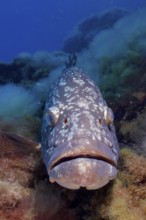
(100, 121)
(109, 127)
(65, 120)
(65, 123)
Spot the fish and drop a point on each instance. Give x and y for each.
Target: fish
(79, 144)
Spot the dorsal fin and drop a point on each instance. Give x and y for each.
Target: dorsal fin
(72, 59)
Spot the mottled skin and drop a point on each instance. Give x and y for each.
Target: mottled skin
(79, 144)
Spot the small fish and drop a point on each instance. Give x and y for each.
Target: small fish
(79, 143)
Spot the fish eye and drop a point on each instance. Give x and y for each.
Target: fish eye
(52, 116)
(108, 116)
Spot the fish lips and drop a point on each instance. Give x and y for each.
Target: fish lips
(78, 164)
(83, 172)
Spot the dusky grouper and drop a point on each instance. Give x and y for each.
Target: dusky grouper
(79, 144)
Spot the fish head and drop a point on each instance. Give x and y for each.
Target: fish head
(82, 147)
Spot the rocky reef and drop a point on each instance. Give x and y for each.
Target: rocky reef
(26, 194)
(27, 68)
(87, 29)
(25, 191)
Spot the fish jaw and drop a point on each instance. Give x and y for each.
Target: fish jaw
(82, 147)
(83, 172)
(77, 164)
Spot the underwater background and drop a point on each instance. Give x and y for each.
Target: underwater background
(36, 40)
(30, 25)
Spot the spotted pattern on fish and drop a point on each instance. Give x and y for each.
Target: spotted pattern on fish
(79, 143)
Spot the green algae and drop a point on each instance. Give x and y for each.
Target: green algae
(119, 77)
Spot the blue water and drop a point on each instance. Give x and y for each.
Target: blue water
(32, 25)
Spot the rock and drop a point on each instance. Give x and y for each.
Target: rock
(24, 192)
(28, 68)
(88, 28)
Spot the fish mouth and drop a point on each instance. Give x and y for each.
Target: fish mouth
(67, 152)
(70, 158)
(78, 166)
(88, 172)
